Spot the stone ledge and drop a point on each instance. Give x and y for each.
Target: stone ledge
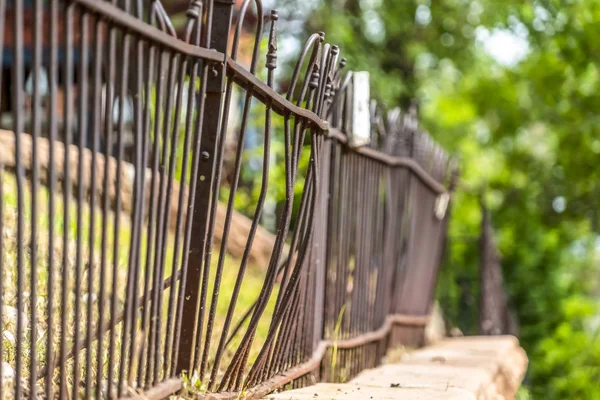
(264, 241)
(470, 368)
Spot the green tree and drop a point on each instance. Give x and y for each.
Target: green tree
(527, 128)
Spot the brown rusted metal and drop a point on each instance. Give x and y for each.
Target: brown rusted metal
(393, 161)
(267, 95)
(134, 292)
(124, 20)
(318, 355)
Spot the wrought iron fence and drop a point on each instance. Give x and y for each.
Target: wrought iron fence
(117, 124)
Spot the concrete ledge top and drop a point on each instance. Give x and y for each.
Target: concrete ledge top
(470, 368)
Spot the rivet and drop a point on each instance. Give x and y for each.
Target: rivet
(205, 155)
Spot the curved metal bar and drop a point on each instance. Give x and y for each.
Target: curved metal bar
(328, 61)
(165, 18)
(271, 65)
(123, 20)
(194, 15)
(283, 106)
(349, 218)
(234, 372)
(338, 73)
(238, 32)
(346, 82)
(321, 87)
(265, 94)
(262, 92)
(342, 88)
(331, 81)
(311, 77)
(156, 17)
(294, 279)
(314, 39)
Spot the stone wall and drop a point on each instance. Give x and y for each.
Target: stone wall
(263, 242)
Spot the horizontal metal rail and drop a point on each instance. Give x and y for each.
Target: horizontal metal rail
(130, 141)
(317, 357)
(132, 24)
(260, 90)
(173, 386)
(266, 95)
(392, 161)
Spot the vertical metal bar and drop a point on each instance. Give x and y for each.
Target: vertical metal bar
(193, 35)
(35, 178)
(338, 235)
(117, 211)
(289, 193)
(271, 64)
(220, 23)
(68, 128)
(366, 167)
(235, 370)
(96, 105)
(152, 212)
(53, 83)
(82, 131)
(108, 139)
(243, 352)
(189, 223)
(145, 128)
(18, 111)
(212, 220)
(319, 317)
(233, 190)
(444, 244)
(330, 237)
(129, 328)
(156, 311)
(166, 217)
(189, 133)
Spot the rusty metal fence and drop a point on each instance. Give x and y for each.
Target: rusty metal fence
(116, 123)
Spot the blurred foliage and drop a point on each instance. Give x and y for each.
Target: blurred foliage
(528, 129)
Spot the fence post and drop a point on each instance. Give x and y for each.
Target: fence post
(218, 39)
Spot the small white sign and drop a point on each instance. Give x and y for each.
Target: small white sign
(441, 205)
(360, 134)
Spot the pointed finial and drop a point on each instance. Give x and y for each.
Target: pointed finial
(272, 52)
(333, 91)
(327, 90)
(335, 50)
(193, 14)
(193, 11)
(314, 77)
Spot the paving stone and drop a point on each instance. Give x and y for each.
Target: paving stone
(468, 368)
(331, 391)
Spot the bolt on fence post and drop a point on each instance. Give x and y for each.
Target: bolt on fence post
(218, 39)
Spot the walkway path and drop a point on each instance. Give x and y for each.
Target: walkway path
(470, 368)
